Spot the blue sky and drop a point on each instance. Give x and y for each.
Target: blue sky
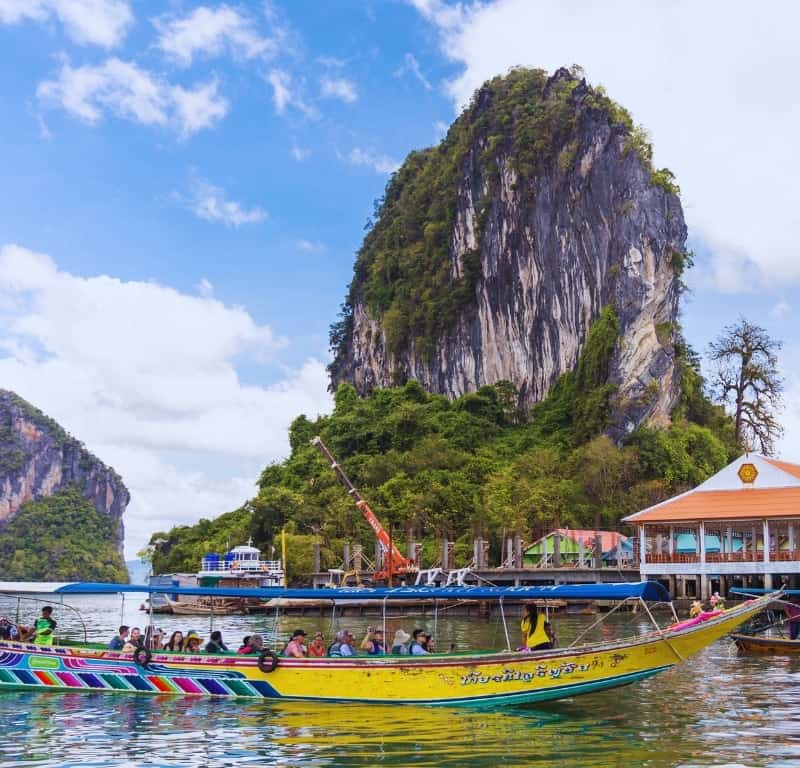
(186, 185)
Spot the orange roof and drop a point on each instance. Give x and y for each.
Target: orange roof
(744, 504)
(792, 469)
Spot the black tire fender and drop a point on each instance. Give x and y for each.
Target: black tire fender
(142, 656)
(267, 661)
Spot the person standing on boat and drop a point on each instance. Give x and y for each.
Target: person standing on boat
(296, 647)
(537, 634)
(792, 611)
(43, 627)
(373, 642)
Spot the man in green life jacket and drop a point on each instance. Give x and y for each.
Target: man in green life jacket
(44, 627)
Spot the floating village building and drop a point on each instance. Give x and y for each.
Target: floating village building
(741, 527)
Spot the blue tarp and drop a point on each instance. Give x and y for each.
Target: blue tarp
(759, 591)
(647, 590)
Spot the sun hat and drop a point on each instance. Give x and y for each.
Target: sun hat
(298, 633)
(401, 637)
(192, 635)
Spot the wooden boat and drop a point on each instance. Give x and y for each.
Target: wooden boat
(766, 644)
(205, 607)
(473, 678)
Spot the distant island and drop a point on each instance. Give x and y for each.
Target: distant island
(60, 507)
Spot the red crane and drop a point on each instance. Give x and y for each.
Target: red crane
(394, 562)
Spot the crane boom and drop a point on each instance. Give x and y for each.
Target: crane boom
(394, 560)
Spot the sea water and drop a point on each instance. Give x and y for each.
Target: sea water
(717, 709)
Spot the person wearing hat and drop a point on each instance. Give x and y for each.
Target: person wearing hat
(373, 642)
(192, 642)
(399, 647)
(296, 646)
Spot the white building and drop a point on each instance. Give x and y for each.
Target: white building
(743, 524)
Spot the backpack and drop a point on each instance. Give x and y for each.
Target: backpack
(334, 649)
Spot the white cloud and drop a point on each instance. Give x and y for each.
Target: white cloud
(205, 288)
(339, 88)
(410, 64)
(378, 162)
(95, 22)
(146, 376)
(287, 94)
(197, 108)
(209, 202)
(717, 103)
(299, 153)
(122, 88)
(211, 32)
(311, 246)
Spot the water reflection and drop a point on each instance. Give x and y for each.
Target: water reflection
(720, 709)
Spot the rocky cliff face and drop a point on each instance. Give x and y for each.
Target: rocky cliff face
(555, 212)
(38, 458)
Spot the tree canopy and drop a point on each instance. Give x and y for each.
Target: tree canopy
(433, 467)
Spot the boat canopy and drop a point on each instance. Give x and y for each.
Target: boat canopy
(745, 591)
(651, 591)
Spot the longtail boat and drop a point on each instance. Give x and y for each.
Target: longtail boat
(471, 678)
(759, 635)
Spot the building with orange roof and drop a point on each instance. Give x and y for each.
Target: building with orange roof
(743, 524)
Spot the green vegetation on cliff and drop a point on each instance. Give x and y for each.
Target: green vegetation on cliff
(475, 465)
(404, 269)
(60, 538)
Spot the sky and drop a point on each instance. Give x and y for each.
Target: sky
(185, 186)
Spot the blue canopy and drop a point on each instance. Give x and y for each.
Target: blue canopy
(759, 591)
(647, 590)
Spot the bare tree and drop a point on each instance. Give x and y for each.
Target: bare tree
(746, 379)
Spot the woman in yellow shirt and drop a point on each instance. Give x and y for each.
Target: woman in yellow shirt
(537, 634)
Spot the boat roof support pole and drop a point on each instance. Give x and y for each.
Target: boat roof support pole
(436, 619)
(505, 625)
(211, 617)
(122, 611)
(595, 623)
(385, 636)
(661, 632)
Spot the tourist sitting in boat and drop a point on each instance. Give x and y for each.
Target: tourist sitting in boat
(537, 634)
(8, 631)
(373, 642)
(245, 646)
(717, 602)
(43, 627)
(317, 647)
(417, 647)
(192, 642)
(135, 639)
(342, 644)
(253, 644)
(296, 647)
(175, 642)
(427, 643)
(215, 644)
(399, 647)
(696, 608)
(153, 638)
(117, 642)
